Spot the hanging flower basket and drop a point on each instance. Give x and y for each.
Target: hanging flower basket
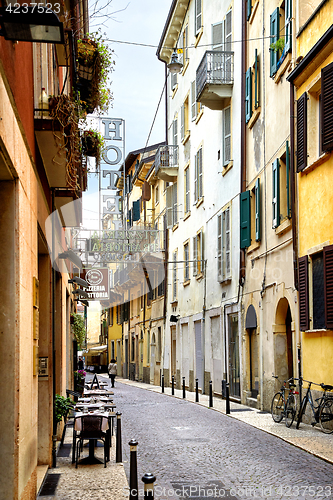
(87, 55)
(92, 144)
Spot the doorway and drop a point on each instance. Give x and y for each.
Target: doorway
(234, 364)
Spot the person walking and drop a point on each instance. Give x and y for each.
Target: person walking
(112, 369)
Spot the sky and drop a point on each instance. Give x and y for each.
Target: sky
(138, 76)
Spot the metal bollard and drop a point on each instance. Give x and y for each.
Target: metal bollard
(210, 394)
(227, 402)
(162, 382)
(173, 385)
(184, 394)
(119, 457)
(148, 480)
(133, 482)
(197, 390)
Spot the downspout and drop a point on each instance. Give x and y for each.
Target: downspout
(54, 432)
(166, 232)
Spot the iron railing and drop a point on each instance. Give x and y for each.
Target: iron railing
(166, 157)
(216, 67)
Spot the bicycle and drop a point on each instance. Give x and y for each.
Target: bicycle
(282, 407)
(323, 412)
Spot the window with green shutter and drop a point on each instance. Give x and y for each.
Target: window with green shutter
(256, 80)
(248, 8)
(136, 210)
(287, 25)
(257, 210)
(248, 95)
(245, 219)
(274, 36)
(276, 193)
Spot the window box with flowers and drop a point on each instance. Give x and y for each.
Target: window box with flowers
(79, 379)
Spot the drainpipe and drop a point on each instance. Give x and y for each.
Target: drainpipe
(293, 184)
(54, 432)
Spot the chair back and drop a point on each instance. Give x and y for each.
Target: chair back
(91, 427)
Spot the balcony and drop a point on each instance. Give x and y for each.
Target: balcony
(215, 78)
(166, 163)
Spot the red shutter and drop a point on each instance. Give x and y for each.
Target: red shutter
(328, 285)
(302, 133)
(327, 107)
(303, 291)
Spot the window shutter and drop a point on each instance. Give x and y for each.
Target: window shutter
(303, 291)
(227, 136)
(217, 36)
(196, 177)
(182, 122)
(173, 81)
(219, 247)
(193, 101)
(327, 107)
(195, 256)
(174, 294)
(288, 179)
(288, 16)
(169, 206)
(257, 207)
(186, 43)
(187, 190)
(175, 207)
(249, 8)
(175, 132)
(181, 48)
(227, 248)
(198, 23)
(274, 36)
(276, 193)
(228, 31)
(328, 285)
(200, 182)
(248, 95)
(202, 252)
(301, 127)
(245, 220)
(136, 210)
(256, 79)
(146, 191)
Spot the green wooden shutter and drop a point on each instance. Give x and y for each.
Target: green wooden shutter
(327, 107)
(245, 220)
(248, 95)
(288, 179)
(303, 291)
(136, 210)
(257, 206)
(249, 8)
(276, 193)
(274, 36)
(288, 16)
(256, 79)
(301, 127)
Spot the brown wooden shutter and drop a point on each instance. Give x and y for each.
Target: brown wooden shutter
(146, 194)
(328, 285)
(301, 133)
(303, 291)
(327, 108)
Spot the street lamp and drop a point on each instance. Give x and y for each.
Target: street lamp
(174, 65)
(79, 281)
(81, 293)
(30, 24)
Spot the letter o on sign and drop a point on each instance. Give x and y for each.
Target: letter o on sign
(106, 155)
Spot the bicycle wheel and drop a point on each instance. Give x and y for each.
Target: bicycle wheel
(290, 410)
(326, 416)
(277, 407)
(301, 411)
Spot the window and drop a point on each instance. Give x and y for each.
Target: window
(173, 81)
(252, 88)
(172, 206)
(245, 219)
(248, 9)
(183, 45)
(198, 16)
(175, 132)
(174, 276)
(226, 136)
(187, 189)
(288, 14)
(111, 316)
(198, 183)
(315, 294)
(159, 344)
(198, 254)
(196, 107)
(326, 121)
(274, 36)
(157, 195)
(186, 261)
(281, 196)
(184, 123)
(217, 36)
(223, 245)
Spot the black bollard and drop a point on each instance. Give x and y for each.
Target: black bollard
(133, 482)
(197, 390)
(162, 382)
(119, 457)
(223, 388)
(148, 480)
(227, 402)
(210, 394)
(184, 395)
(173, 385)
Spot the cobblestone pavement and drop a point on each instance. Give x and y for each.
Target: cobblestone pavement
(202, 453)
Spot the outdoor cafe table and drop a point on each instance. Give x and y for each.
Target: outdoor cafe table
(106, 427)
(97, 392)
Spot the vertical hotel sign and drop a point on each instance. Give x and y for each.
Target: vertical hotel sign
(113, 131)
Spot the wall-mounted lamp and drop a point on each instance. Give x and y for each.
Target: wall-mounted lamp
(81, 293)
(174, 65)
(30, 24)
(79, 281)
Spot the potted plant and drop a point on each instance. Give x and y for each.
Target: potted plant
(92, 144)
(79, 378)
(87, 54)
(62, 407)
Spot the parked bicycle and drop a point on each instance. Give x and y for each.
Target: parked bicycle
(323, 412)
(282, 407)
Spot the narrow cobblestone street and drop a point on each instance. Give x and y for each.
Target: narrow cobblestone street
(188, 446)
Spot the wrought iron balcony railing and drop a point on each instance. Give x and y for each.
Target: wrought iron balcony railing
(215, 68)
(166, 162)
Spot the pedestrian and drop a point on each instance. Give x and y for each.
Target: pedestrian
(80, 364)
(112, 369)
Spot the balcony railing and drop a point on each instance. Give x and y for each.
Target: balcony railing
(215, 68)
(166, 162)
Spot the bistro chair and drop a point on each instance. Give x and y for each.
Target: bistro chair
(68, 422)
(91, 430)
